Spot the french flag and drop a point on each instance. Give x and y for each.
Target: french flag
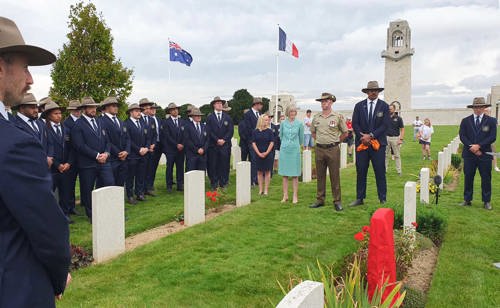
(286, 45)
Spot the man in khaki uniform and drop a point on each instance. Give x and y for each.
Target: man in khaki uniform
(329, 130)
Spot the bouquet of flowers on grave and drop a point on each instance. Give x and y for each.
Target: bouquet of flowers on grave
(432, 187)
(213, 199)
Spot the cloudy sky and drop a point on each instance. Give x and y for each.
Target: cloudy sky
(234, 43)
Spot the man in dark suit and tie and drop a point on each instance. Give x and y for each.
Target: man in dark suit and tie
(34, 234)
(139, 148)
(149, 123)
(92, 147)
(72, 173)
(370, 121)
(196, 142)
(220, 130)
(118, 139)
(477, 132)
(250, 118)
(171, 140)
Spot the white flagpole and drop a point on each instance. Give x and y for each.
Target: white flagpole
(277, 80)
(168, 66)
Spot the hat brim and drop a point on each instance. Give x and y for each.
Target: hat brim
(128, 111)
(482, 105)
(365, 90)
(218, 100)
(227, 109)
(146, 104)
(45, 112)
(171, 108)
(255, 103)
(36, 56)
(89, 105)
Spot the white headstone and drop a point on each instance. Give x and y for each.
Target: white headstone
(194, 197)
(163, 159)
(424, 185)
(234, 141)
(243, 183)
(343, 155)
(308, 294)
(235, 155)
(410, 208)
(108, 223)
(306, 166)
(440, 170)
(450, 152)
(446, 152)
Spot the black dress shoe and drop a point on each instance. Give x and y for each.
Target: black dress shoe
(316, 205)
(487, 206)
(132, 201)
(465, 203)
(338, 206)
(141, 198)
(357, 202)
(150, 193)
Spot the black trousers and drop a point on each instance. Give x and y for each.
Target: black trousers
(60, 181)
(219, 160)
(483, 164)
(135, 177)
(101, 175)
(175, 159)
(363, 159)
(152, 166)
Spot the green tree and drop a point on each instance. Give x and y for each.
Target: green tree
(241, 100)
(86, 65)
(206, 110)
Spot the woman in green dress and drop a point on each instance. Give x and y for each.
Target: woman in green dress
(292, 138)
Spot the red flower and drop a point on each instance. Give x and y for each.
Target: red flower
(213, 199)
(208, 194)
(366, 229)
(359, 236)
(414, 224)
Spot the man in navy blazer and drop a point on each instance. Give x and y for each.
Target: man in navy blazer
(370, 121)
(72, 173)
(171, 140)
(34, 234)
(220, 130)
(152, 158)
(196, 142)
(92, 147)
(250, 118)
(119, 140)
(477, 132)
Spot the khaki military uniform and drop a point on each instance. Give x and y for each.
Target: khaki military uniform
(328, 131)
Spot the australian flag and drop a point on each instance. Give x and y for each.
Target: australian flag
(178, 54)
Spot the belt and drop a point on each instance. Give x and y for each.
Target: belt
(327, 146)
(393, 136)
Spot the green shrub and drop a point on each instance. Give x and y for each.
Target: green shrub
(414, 298)
(456, 161)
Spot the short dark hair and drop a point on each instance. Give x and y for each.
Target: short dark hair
(308, 111)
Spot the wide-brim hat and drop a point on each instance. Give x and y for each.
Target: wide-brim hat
(372, 85)
(171, 106)
(133, 106)
(110, 100)
(88, 102)
(51, 106)
(145, 101)
(156, 106)
(226, 107)
(325, 96)
(189, 109)
(257, 100)
(11, 40)
(478, 102)
(217, 99)
(28, 99)
(73, 105)
(196, 112)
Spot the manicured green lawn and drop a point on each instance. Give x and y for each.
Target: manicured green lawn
(235, 259)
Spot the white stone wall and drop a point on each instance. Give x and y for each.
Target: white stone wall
(397, 81)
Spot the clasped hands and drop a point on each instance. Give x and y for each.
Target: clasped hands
(476, 149)
(102, 157)
(366, 139)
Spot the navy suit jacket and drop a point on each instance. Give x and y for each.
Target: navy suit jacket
(171, 135)
(250, 124)
(150, 130)
(485, 136)
(219, 130)
(193, 141)
(381, 121)
(43, 138)
(63, 152)
(88, 143)
(118, 136)
(34, 233)
(138, 138)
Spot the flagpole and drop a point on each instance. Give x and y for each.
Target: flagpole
(168, 66)
(277, 80)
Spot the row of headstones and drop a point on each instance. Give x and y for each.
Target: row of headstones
(444, 157)
(108, 218)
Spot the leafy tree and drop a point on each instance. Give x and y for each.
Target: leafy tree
(241, 100)
(86, 65)
(205, 109)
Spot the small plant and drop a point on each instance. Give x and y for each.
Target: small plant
(179, 217)
(214, 199)
(404, 243)
(456, 161)
(80, 257)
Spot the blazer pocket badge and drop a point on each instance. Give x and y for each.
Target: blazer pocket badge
(205, 134)
(124, 129)
(380, 114)
(225, 123)
(332, 123)
(146, 131)
(486, 128)
(103, 132)
(182, 127)
(67, 138)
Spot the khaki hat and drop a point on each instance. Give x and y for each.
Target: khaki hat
(226, 107)
(196, 112)
(372, 85)
(44, 101)
(156, 106)
(257, 100)
(217, 99)
(73, 104)
(145, 101)
(11, 40)
(109, 101)
(325, 96)
(28, 99)
(133, 106)
(88, 101)
(189, 109)
(51, 106)
(478, 102)
(171, 106)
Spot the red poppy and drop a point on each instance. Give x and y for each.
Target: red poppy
(366, 229)
(414, 224)
(208, 194)
(213, 199)
(359, 236)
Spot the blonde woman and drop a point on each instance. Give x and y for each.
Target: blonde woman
(262, 144)
(292, 137)
(425, 132)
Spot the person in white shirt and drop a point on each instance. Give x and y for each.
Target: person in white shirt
(308, 140)
(416, 126)
(424, 135)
